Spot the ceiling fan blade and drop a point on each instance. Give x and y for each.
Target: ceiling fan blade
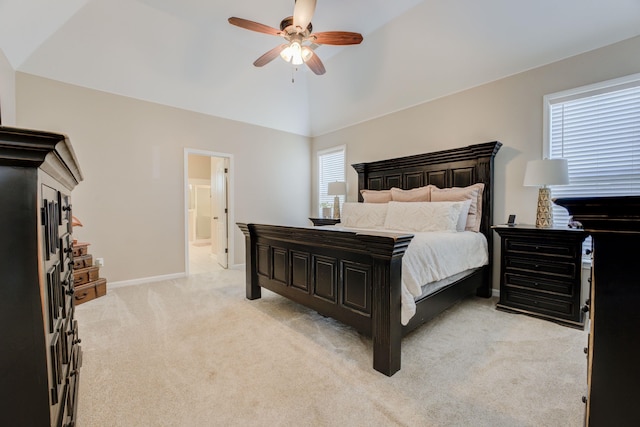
(253, 26)
(336, 38)
(302, 14)
(269, 56)
(315, 64)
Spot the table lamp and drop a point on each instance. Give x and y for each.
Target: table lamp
(542, 173)
(337, 188)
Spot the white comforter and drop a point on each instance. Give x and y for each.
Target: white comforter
(433, 256)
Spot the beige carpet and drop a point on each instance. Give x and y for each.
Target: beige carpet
(195, 352)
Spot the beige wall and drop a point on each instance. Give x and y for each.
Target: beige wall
(132, 156)
(508, 110)
(7, 92)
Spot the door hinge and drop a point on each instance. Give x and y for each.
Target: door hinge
(226, 170)
(226, 250)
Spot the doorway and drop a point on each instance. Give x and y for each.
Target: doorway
(207, 211)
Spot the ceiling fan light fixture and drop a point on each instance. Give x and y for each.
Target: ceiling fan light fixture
(307, 53)
(296, 53)
(286, 54)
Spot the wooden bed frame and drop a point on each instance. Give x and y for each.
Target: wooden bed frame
(356, 277)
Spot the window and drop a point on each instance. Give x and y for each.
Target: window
(597, 129)
(330, 169)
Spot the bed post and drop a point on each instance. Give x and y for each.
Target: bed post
(486, 154)
(386, 328)
(253, 290)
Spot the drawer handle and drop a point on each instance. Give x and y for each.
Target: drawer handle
(83, 296)
(78, 341)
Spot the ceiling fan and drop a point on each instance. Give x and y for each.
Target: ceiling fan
(300, 40)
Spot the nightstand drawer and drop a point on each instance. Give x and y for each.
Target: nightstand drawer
(563, 269)
(539, 284)
(540, 247)
(540, 304)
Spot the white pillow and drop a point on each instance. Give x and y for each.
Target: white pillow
(464, 213)
(423, 216)
(363, 215)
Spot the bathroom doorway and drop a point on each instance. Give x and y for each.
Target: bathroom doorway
(207, 209)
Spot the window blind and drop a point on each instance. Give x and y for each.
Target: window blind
(598, 132)
(330, 168)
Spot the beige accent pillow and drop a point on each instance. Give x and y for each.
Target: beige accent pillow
(420, 194)
(376, 196)
(457, 194)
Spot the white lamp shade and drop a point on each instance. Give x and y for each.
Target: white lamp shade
(337, 188)
(546, 172)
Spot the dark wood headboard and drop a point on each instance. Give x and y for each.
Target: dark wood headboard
(458, 167)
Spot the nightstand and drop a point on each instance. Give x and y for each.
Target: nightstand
(541, 272)
(324, 221)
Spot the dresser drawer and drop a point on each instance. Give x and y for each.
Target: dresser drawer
(564, 269)
(538, 283)
(85, 275)
(540, 247)
(540, 304)
(82, 261)
(90, 291)
(80, 249)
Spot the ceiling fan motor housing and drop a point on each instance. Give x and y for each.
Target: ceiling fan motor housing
(286, 25)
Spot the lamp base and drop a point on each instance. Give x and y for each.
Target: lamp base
(544, 214)
(336, 207)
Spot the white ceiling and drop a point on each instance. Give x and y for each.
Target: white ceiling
(184, 53)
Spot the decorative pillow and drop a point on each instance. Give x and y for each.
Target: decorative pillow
(376, 196)
(363, 215)
(455, 194)
(423, 216)
(420, 194)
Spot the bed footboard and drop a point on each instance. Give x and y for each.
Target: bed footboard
(352, 277)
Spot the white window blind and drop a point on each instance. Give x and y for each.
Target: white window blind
(330, 168)
(597, 130)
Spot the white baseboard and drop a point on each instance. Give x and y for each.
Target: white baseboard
(495, 293)
(142, 280)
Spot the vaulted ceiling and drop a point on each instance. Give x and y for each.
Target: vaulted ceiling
(185, 54)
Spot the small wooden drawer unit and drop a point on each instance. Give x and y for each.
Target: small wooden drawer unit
(90, 291)
(541, 272)
(85, 275)
(82, 261)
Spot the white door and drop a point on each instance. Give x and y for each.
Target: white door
(219, 182)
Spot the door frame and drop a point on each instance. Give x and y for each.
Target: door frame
(230, 203)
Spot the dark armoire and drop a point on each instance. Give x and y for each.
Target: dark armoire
(613, 367)
(40, 355)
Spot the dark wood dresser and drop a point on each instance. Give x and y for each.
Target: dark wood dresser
(541, 272)
(613, 368)
(40, 355)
